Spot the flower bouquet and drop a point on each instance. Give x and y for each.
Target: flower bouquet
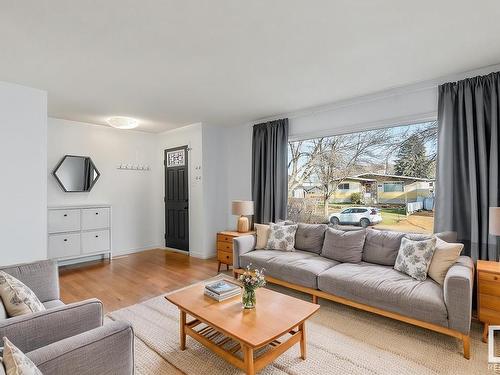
(251, 280)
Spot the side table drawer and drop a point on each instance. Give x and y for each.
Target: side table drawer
(489, 284)
(224, 238)
(225, 246)
(225, 257)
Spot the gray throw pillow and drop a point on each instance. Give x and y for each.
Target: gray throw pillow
(381, 247)
(281, 237)
(414, 257)
(310, 237)
(346, 247)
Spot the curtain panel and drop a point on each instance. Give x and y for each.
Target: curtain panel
(468, 160)
(269, 170)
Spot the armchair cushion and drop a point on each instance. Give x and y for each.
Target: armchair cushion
(17, 298)
(32, 331)
(105, 350)
(16, 362)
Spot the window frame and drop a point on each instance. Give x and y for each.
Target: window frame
(400, 183)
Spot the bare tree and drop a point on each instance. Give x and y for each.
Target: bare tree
(301, 164)
(340, 156)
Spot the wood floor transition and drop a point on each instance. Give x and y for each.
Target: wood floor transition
(133, 278)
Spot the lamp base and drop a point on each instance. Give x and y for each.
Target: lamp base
(243, 224)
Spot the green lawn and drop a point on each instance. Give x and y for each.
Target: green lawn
(392, 216)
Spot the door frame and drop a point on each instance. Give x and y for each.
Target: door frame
(186, 148)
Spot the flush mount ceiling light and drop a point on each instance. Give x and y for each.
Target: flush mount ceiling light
(121, 122)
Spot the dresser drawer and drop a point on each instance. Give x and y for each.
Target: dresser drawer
(224, 238)
(225, 257)
(493, 277)
(64, 245)
(95, 218)
(225, 246)
(64, 221)
(489, 283)
(95, 241)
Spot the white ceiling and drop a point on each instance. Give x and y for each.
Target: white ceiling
(174, 62)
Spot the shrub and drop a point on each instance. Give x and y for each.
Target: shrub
(356, 198)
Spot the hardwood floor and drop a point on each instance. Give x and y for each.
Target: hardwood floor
(133, 278)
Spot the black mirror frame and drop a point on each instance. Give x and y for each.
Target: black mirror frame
(72, 191)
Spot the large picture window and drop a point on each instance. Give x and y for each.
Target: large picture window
(387, 173)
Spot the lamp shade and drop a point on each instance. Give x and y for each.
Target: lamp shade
(242, 207)
(495, 221)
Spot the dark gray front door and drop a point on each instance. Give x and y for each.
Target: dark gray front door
(176, 198)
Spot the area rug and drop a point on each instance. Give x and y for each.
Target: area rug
(341, 340)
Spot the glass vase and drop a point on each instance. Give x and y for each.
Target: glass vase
(248, 298)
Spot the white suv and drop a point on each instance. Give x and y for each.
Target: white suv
(363, 216)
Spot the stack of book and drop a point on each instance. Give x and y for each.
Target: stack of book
(222, 290)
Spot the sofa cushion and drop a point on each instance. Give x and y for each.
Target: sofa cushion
(3, 312)
(310, 237)
(297, 267)
(53, 303)
(343, 246)
(262, 234)
(385, 288)
(414, 257)
(281, 237)
(381, 247)
(445, 256)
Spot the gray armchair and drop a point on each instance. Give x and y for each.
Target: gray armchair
(66, 338)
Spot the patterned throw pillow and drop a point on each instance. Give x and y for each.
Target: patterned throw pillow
(281, 237)
(414, 257)
(15, 362)
(17, 298)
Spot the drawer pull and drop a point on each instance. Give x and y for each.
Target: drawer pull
(495, 278)
(96, 236)
(65, 215)
(65, 240)
(227, 257)
(97, 213)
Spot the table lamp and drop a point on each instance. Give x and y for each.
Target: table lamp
(495, 221)
(242, 208)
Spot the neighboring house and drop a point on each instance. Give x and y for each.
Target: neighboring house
(384, 188)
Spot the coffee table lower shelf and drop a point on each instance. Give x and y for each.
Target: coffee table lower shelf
(252, 359)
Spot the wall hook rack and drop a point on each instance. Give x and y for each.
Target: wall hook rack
(134, 167)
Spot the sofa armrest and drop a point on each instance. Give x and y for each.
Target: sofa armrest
(457, 290)
(242, 245)
(32, 331)
(41, 277)
(105, 350)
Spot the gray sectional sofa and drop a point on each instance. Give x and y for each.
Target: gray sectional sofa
(371, 284)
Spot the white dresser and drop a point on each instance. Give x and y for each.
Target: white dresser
(79, 231)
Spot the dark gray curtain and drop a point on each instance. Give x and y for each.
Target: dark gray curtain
(468, 159)
(269, 170)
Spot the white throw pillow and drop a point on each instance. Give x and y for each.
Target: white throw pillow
(262, 234)
(282, 237)
(17, 298)
(414, 257)
(15, 362)
(445, 256)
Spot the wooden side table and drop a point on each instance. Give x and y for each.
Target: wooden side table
(488, 294)
(225, 247)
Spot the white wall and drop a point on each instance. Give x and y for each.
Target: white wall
(131, 193)
(23, 183)
(398, 106)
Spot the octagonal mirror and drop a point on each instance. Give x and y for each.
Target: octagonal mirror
(76, 174)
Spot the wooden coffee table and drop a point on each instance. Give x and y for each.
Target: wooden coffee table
(261, 335)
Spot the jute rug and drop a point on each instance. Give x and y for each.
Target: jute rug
(341, 340)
